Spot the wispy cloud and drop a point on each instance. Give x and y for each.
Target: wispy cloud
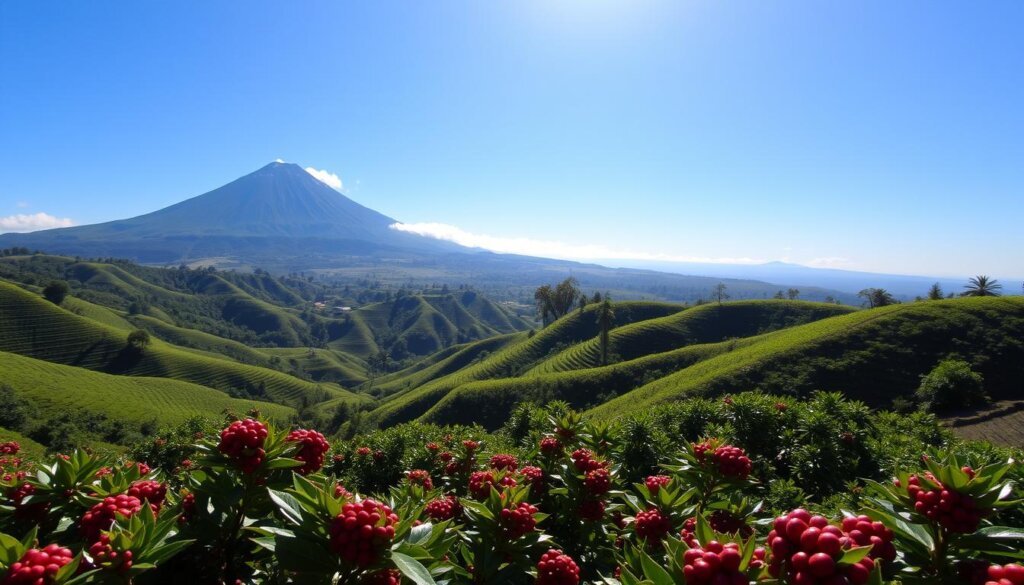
(548, 248)
(22, 205)
(326, 177)
(30, 222)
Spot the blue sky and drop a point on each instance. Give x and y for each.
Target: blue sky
(885, 136)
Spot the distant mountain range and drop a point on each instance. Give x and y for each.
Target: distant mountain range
(283, 219)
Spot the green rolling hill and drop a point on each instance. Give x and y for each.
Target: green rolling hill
(517, 358)
(31, 326)
(56, 388)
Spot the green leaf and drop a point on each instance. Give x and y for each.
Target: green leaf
(853, 555)
(282, 463)
(412, 569)
(420, 535)
(654, 571)
(288, 505)
(704, 533)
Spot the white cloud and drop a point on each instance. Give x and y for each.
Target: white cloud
(548, 248)
(279, 160)
(326, 177)
(30, 222)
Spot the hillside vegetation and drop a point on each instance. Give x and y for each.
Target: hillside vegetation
(517, 358)
(32, 326)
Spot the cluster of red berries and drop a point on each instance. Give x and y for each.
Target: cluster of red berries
(99, 517)
(480, 483)
(381, 577)
(442, 509)
(362, 532)
(597, 482)
(243, 441)
(153, 492)
(863, 532)
(38, 566)
(312, 448)
(534, 476)
(9, 448)
(420, 477)
(715, 563)
(584, 461)
(1012, 574)
(104, 556)
(550, 446)
(652, 525)
(518, 521)
(729, 460)
(432, 447)
(810, 547)
(470, 446)
(557, 568)
(363, 452)
(504, 462)
(655, 482)
(952, 510)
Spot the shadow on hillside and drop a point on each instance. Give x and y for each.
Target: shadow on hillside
(125, 360)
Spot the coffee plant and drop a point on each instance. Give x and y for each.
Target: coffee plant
(560, 502)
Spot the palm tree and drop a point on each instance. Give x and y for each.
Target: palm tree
(982, 286)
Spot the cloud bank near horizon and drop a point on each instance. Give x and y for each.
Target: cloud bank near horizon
(30, 222)
(548, 248)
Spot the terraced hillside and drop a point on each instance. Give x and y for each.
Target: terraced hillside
(419, 325)
(56, 388)
(702, 324)
(517, 358)
(874, 355)
(34, 327)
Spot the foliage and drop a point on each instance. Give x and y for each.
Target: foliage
(952, 384)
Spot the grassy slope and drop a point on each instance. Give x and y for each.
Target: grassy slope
(517, 358)
(56, 388)
(28, 446)
(442, 363)
(703, 324)
(653, 348)
(874, 355)
(326, 365)
(31, 326)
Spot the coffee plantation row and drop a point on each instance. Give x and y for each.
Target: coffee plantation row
(553, 499)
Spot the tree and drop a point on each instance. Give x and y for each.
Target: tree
(935, 293)
(719, 293)
(56, 291)
(952, 384)
(877, 297)
(982, 286)
(138, 339)
(793, 293)
(779, 295)
(555, 302)
(605, 320)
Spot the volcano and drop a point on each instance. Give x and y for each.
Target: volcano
(277, 211)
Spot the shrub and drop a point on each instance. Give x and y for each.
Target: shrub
(952, 384)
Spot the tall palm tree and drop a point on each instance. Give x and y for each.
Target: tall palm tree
(982, 286)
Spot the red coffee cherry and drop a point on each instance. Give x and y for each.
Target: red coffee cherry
(38, 566)
(597, 482)
(242, 441)
(557, 568)
(651, 525)
(518, 521)
(153, 492)
(442, 509)
(655, 482)
(504, 462)
(362, 532)
(106, 558)
(312, 448)
(102, 515)
(420, 477)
